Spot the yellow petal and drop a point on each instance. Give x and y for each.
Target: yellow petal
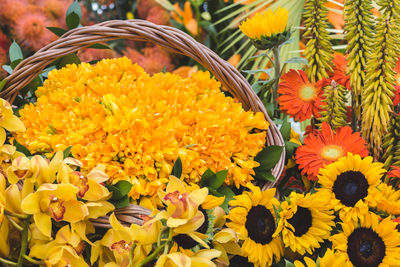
(75, 211)
(43, 223)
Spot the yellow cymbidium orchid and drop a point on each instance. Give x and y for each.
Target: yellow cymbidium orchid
(65, 250)
(90, 185)
(54, 201)
(200, 259)
(120, 239)
(8, 120)
(226, 241)
(22, 169)
(47, 169)
(182, 207)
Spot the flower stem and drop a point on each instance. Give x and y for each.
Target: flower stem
(131, 254)
(152, 256)
(166, 248)
(33, 260)
(14, 223)
(20, 216)
(2, 260)
(24, 242)
(277, 75)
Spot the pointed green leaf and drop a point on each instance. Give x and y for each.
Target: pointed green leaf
(268, 157)
(15, 52)
(264, 176)
(22, 149)
(229, 194)
(100, 46)
(285, 130)
(122, 203)
(74, 15)
(177, 169)
(206, 177)
(67, 152)
(68, 59)
(2, 83)
(57, 31)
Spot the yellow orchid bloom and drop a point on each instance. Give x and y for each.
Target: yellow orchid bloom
(47, 169)
(90, 186)
(226, 241)
(22, 169)
(120, 239)
(66, 248)
(200, 259)
(182, 206)
(54, 201)
(8, 120)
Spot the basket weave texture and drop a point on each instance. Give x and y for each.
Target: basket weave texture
(171, 39)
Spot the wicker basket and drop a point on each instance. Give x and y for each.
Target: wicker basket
(170, 38)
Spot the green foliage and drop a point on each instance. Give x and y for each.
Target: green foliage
(267, 158)
(177, 168)
(391, 143)
(120, 192)
(319, 51)
(74, 15)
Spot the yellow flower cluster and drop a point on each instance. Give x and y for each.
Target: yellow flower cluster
(138, 125)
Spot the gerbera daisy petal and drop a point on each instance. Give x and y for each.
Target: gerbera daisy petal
(326, 146)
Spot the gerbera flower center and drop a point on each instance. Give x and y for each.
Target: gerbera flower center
(350, 187)
(307, 93)
(332, 152)
(260, 224)
(301, 221)
(365, 248)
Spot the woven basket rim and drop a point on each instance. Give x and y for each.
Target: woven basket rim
(167, 37)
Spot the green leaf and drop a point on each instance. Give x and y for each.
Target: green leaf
(67, 152)
(270, 109)
(124, 187)
(297, 60)
(285, 130)
(68, 59)
(122, 203)
(207, 175)
(15, 52)
(264, 176)
(229, 194)
(289, 264)
(7, 68)
(290, 147)
(177, 169)
(57, 31)
(213, 180)
(74, 15)
(22, 149)
(267, 71)
(268, 157)
(15, 63)
(100, 46)
(2, 83)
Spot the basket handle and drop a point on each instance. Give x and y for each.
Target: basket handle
(140, 30)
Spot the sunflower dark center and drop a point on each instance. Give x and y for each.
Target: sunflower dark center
(260, 224)
(186, 241)
(365, 248)
(301, 221)
(350, 187)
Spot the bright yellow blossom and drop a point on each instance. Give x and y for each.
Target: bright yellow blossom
(267, 28)
(200, 259)
(54, 201)
(115, 114)
(8, 120)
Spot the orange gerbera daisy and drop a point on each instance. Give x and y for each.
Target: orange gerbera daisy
(325, 146)
(299, 97)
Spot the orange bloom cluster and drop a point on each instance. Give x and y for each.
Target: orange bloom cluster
(152, 59)
(138, 125)
(27, 20)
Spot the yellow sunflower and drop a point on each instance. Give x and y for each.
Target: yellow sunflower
(351, 183)
(330, 259)
(253, 218)
(390, 200)
(369, 243)
(267, 29)
(305, 221)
